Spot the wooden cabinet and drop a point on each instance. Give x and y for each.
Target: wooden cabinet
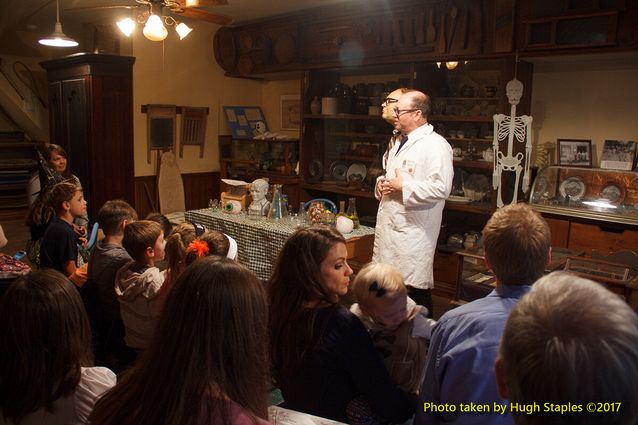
(91, 116)
(604, 239)
(250, 159)
(569, 24)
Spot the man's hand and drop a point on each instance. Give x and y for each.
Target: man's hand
(389, 186)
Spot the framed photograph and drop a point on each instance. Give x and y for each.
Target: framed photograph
(290, 112)
(618, 155)
(574, 152)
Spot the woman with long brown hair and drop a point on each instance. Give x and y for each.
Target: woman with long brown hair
(322, 355)
(45, 373)
(207, 362)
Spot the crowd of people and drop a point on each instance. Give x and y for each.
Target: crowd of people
(161, 324)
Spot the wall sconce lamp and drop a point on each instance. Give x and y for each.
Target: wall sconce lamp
(58, 38)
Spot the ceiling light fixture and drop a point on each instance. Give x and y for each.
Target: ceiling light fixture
(154, 24)
(58, 38)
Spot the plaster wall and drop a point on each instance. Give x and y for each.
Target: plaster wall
(185, 73)
(592, 98)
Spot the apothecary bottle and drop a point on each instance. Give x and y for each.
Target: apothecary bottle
(352, 212)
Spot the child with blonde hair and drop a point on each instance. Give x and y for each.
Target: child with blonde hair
(400, 329)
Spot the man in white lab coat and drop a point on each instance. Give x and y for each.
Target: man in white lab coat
(418, 179)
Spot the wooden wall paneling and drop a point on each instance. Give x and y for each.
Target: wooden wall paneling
(198, 189)
(145, 195)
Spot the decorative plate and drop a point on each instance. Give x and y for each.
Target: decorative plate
(613, 192)
(574, 187)
(315, 170)
(356, 173)
(338, 170)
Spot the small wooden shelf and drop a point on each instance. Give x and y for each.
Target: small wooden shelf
(249, 139)
(240, 161)
(360, 135)
(460, 118)
(18, 144)
(359, 158)
(333, 187)
(482, 165)
(469, 139)
(343, 117)
(470, 208)
(489, 99)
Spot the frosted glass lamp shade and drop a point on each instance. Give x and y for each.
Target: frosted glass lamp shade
(127, 26)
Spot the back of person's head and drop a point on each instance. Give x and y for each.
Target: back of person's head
(296, 277)
(163, 221)
(517, 243)
(378, 280)
(40, 212)
(570, 340)
(216, 309)
(61, 193)
(113, 213)
(420, 101)
(176, 245)
(212, 242)
(45, 339)
(140, 235)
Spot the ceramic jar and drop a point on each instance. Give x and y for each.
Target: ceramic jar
(315, 106)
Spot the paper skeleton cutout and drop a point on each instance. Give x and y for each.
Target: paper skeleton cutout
(511, 127)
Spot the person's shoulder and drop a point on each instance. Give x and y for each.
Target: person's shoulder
(94, 381)
(57, 227)
(239, 416)
(338, 317)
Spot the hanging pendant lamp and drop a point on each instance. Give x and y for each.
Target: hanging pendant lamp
(58, 38)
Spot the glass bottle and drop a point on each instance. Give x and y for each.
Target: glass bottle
(277, 208)
(342, 209)
(352, 212)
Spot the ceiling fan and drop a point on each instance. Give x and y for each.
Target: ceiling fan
(155, 11)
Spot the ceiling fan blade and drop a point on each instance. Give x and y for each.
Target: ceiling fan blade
(119, 6)
(202, 3)
(215, 18)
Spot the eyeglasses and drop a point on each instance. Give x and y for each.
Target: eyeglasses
(389, 100)
(398, 112)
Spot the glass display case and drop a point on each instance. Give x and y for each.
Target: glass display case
(593, 193)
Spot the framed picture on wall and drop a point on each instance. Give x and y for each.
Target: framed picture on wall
(618, 155)
(290, 111)
(574, 153)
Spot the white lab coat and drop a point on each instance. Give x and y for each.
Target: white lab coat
(408, 223)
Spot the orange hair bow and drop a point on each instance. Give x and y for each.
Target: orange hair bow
(198, 246)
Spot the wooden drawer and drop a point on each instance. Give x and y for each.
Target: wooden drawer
(446, 266)
(560, 232)
(585, 237)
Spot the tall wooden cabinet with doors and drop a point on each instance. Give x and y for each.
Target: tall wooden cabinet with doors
(91, 116)
(341, 153)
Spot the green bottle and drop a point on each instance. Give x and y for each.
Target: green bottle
(352, 212)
